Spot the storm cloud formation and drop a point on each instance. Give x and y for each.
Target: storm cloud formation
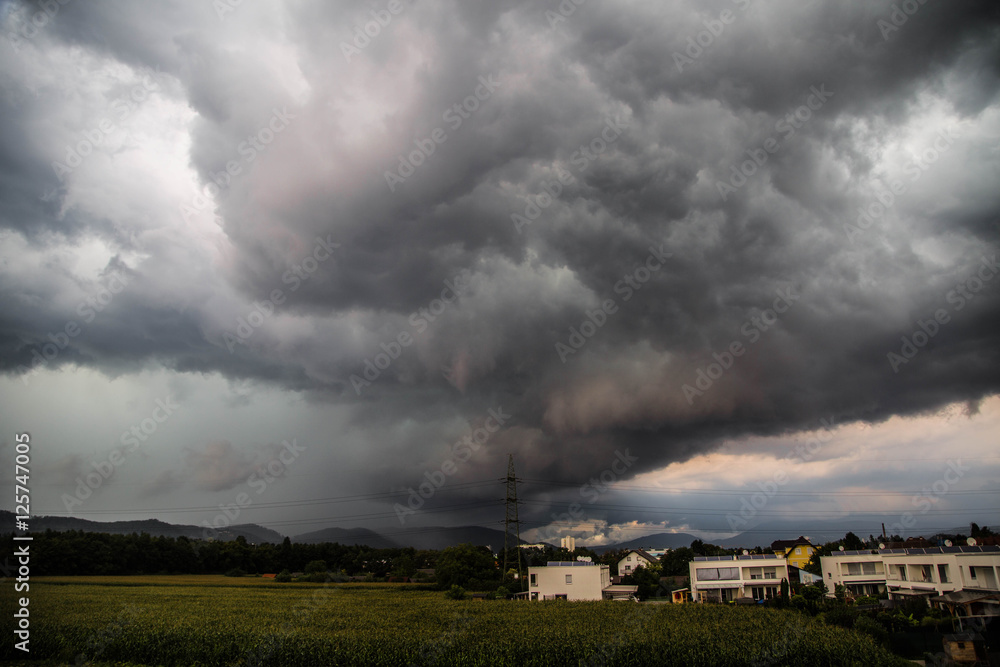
(652, 227)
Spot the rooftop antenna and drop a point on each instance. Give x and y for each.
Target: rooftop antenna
(511, 524)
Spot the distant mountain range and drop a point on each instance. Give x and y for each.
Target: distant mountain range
(250, 531)
(418, 538)
(440, 537)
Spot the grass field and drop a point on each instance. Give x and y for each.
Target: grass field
(194, 620)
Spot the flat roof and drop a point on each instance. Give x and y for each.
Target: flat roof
(739, 557)
(979, 549)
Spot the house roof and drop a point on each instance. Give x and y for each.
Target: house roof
(619, 588)
(966, 595)
(643, 553)
(788, 544)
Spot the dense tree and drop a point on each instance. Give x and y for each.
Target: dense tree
(675, 562)
(460, 565)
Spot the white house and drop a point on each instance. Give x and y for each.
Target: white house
(634, 559)
(908, 572)
(726, 578)
(570, 580)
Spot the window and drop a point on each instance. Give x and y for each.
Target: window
(534, 579)
(798, 550)
(628, 560)
(902, 572)
(943, 573)
(757, 592)
(569, 578)
(718, 573)
(972, 572)
(868, 568)
(628, 568)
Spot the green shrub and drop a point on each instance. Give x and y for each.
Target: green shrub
(842, 616)
(869, 626)
(456, 592)
(284, 576)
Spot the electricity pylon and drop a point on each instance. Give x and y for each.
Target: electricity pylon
(511, 524)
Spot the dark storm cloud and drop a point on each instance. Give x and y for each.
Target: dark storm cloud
(647, 189)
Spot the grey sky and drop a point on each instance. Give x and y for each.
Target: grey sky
(671, 228)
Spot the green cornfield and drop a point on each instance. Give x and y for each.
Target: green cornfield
(218, 621)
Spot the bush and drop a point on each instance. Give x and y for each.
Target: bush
(236, 572)
(872, 628)
(284, 576)
(842, 616)
(502, 593)
(314, 566)
(456, 592)
(866, 600)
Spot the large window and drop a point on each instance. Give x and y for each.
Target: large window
(534, 579)
(718, 573)
(854, 569)
(943, 573)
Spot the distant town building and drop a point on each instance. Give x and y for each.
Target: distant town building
(797, 552)
(568, 543)
(728, 578)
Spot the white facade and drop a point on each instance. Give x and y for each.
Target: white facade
(903, 572)
(725, 578)
(632, 560)
(569, 580)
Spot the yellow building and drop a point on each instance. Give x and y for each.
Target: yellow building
(796, 552)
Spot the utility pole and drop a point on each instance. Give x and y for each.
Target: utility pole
(511, 524)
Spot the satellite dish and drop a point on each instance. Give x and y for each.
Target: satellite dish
(971, 541)
(947, 543)
(841, 548)
(746, 553)
(881, 546)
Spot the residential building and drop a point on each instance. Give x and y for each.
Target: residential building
(797, 552)
(568, 543)
(634, 559)
(568, 580)
(901, 573)
(727, 578)
(860, 572)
